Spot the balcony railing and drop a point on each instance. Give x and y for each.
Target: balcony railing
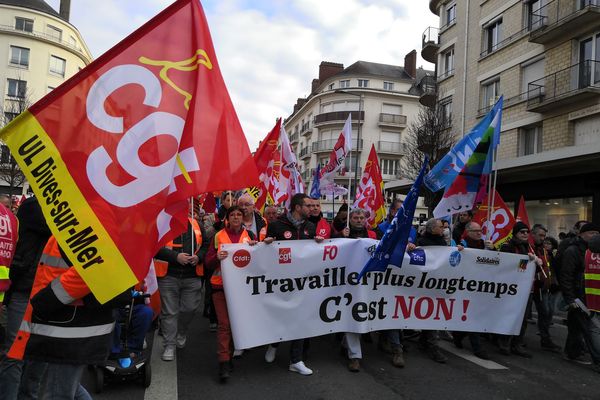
(429, 87)
(445, 74)
(294, 137)
(501, 44)
(343, 172)
(327, 145)
(581, 79)
(304, 152)
(430, 44)
(392, 119)
(305, 128)
(43, 36)
(338, 117)
(392, 147)
(563, 20)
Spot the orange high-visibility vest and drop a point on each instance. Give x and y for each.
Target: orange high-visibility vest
(161, 266)
(69, 288)
(222, 238)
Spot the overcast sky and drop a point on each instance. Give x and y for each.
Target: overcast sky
(269, 51)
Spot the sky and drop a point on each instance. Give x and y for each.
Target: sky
(270, 51)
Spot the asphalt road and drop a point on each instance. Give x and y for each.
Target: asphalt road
(194, 374)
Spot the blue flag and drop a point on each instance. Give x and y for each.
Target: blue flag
(445, 171)
(315, 192)
(392, 245)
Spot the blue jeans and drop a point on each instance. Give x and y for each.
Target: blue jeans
(18, 378)
(140, 324)
(394, 338)
(63, 382)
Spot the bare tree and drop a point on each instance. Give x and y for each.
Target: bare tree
(10, 173)
(429, 135)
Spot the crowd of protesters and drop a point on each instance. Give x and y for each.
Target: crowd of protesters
(188, 271)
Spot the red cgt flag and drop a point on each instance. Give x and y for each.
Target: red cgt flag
(265, 158)
(115, 152)
(499, 229)
(369, 196)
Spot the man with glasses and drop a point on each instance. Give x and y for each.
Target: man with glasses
(252, 220)
(293, 226)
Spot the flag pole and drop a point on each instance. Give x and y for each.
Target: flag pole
(493, 191)
(350, 187)
(192, 206)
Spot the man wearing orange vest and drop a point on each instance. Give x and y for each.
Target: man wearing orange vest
(64, 325)
(179, 270)
(579, 283)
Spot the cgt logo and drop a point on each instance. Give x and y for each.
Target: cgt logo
(285, 255)
(241, 258)
(417, 257)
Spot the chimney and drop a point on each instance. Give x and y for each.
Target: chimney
(299, 103)
(65, 9)
(315, 85)
(328, 69)
(410, 64)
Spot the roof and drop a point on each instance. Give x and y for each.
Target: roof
(38, 5)
(376, 69)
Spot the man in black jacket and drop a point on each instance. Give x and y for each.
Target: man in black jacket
(33, 235)
(293, 226)
(572, 283)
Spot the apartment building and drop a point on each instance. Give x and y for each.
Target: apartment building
(42, 50)
(544, 57)
(382, 101)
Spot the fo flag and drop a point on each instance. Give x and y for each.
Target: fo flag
(340, 151)
(115, 152)
(369, 196)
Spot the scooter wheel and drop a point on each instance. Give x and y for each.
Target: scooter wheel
(147, 375)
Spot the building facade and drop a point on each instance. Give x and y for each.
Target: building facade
(382, 100)
(42, 50)
(544, 57)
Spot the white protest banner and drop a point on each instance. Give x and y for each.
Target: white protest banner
(298, 289)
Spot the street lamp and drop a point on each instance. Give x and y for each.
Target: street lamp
(360, 109)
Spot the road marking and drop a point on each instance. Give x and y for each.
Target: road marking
(462, 353)
(164, 374)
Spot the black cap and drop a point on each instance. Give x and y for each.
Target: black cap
(589, 227)
(518, 226)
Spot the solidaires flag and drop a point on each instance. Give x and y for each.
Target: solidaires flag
(115, 152)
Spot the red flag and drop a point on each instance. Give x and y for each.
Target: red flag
(523, 217)
(369, 196)
(207, 202)
(115, 152)
(264, 158)
(499, 229)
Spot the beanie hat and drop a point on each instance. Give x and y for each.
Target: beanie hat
(589, 227)
(594, 244)
(518, 226)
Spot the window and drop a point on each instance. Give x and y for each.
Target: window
(589, 69)
(17, 88)
(4, 154)
(535, 14)
(491, 92)
(57, 65)
(23, 24)
(340, 106)
(451, 14)
(345, 84)
(585, 3)
(19, 56)
(532, 72)
(388, 85)
(389, 167)
(448, 57)
(493, 36)
(530, 140)
(395, 109)
(446, 112)
(54, 33)
(72, 41)
(9, 116)
(363, 83)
